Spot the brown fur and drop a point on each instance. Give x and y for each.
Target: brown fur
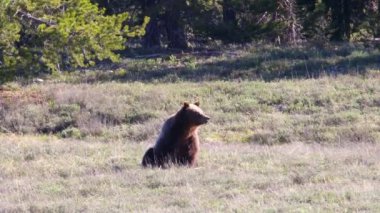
(178, 142)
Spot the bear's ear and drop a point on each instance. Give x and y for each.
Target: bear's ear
(186, 104)
(197, 103)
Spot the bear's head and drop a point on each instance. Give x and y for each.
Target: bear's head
(192, 114)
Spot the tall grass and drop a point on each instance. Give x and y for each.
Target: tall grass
(47, 174)
(325, 110)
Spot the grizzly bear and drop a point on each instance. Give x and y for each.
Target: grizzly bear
(178, 142)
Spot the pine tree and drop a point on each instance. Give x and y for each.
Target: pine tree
(40, 35)
(9, 35)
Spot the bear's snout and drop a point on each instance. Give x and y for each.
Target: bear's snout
(205, 119)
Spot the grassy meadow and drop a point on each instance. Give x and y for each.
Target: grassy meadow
(293, 129)
(44, 173)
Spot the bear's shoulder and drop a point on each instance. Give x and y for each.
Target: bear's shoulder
(168, 124)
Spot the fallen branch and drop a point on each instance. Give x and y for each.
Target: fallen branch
(4, 129)
(35, 20)
(161, 55)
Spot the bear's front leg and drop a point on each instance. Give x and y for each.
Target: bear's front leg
(149, 159)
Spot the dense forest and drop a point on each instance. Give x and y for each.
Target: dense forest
(50, 36)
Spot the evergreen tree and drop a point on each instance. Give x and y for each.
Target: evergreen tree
(54, 35)
(9, 35)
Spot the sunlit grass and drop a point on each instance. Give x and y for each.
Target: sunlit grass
(325, 110)
(51, 174)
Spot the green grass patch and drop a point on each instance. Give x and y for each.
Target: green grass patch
(325, 110)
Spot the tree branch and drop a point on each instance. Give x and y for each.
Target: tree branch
(35, 20)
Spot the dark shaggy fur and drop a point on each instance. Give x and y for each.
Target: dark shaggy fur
(178, 142)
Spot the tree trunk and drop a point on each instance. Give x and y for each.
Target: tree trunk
(152, 31)
(378, 18)
(175, 30)
(347, 19)
(289, 17)
(1, 58)
(229, 13)
(152, 34)
(336, 22)
(341, 19)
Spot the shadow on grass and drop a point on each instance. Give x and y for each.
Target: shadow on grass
(266, 63)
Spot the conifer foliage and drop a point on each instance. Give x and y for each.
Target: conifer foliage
(42, 35)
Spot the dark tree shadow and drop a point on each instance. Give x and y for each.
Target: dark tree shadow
(264, 63)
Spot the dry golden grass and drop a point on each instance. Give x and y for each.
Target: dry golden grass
(44, 173)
